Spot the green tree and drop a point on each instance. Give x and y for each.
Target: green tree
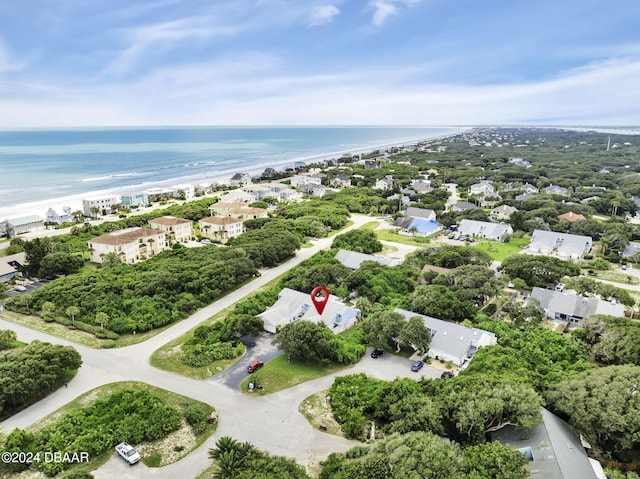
(415, 334)
(308, 341)
(7, 339)
(383, 329)
(60, 263)
(72, 312)
(359, 240)
(102, 318)
(48, 307)
(440, 302)
(603, 404)
(538, 270)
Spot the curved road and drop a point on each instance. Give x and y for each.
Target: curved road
(271, 423)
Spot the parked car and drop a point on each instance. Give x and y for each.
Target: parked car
(19, 288)
(128, 453)
(417, 365)
(376, 353)
(254, 366)
(205, 241)
(447, 375)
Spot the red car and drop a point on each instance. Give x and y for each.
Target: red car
(254, 366)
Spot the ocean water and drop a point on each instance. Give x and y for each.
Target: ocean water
(37, 166)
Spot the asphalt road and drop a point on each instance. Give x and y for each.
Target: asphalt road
(271, 423)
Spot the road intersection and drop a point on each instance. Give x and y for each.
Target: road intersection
(272, 423)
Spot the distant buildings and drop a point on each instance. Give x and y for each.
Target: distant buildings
(221, 228)
(53, 217)
(571, 217)
(294, 306)
(130, 245)
(134, 199)
(99, 206)
(240, 179)
(237, 209)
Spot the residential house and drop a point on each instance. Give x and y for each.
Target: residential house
(298, 181)
(571, 217)
(294, 306)
(463, 206)
(562, 244)
(525, 196)
(53, 217)
(134, 199)
(370, 164)
(353, 259)
(130, 245)
(177, 229)
(529, 188)
(384, 184)
(11, 265)
(425, 214)
(247, 213)
(520, 162)
(452, 341)
(340, 182)
(240, 179)
(484, 188)
(421, 186)
(185, 191)
(590, 198)
(281, 192)
(554, 449)
(99, 206)
(315, 189)
(239, 195)
(14, 226)
(164, 193)
(502, 213)
(260, 191)
(571, 309)
(556, 190)
(224, 208)
(631, 250)
(221, 228)
(484, 229)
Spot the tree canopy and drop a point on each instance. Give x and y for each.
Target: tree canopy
(361, 241)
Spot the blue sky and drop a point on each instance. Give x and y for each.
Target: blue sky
(307, 62)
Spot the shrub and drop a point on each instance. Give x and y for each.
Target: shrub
(108, 344)
(196, 419)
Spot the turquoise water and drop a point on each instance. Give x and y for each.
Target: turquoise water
(37, 165)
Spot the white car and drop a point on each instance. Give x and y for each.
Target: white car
(19, 288)
(128, 453)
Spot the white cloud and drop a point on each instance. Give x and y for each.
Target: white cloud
(382, 10)
(5, 61)
(323, 14)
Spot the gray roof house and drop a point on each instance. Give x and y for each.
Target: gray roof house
(483, 188)
(572, 309)
(353, 259)
(525, 196)
(630, 250)
(52, 216)
(452, 341)
(484, 229)
(553, 448)
(15, 226)
(463, 206)
(240, 179)
(503, 212)
(293, 305)
(413, 212)
(564, 245)
(556, 190)
(10, 265)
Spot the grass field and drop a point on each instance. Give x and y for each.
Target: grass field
(279, 374)
(501, 251)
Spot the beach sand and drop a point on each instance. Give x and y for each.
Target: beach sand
(40, 208)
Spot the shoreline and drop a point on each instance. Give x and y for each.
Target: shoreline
(74, 201)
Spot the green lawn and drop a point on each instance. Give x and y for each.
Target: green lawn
(279, 374)
(500, 251)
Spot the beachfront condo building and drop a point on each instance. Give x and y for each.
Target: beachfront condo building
(221, 229)
(178, 230)
(130, 245)
(99, 206)
(136, 199)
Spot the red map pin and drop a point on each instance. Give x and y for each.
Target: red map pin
(319, 301)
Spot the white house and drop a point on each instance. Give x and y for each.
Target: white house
(135, 199)
(239, 195)
(452, 341)
(130, 245)
(502, 213)
(240, 179)
(385, 183)
(300, 180)
(53, 217)
(293, 306)
(556, 190)
(102, 206)
(425, 214)
(15, 226)
(571, 309)
(484, 229)
(353, 259)
(562, 244)
(484, 188)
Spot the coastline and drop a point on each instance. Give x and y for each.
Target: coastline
(74, 201)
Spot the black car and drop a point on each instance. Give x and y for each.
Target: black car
(376, 353)
(446, 375)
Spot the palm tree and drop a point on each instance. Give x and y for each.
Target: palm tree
(102, 318)
(229, 455)
(48, 307)
(363, 304)
(72, 312)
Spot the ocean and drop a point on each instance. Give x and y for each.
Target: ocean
(40, 168)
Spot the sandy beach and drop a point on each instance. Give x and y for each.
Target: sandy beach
(39, 208)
